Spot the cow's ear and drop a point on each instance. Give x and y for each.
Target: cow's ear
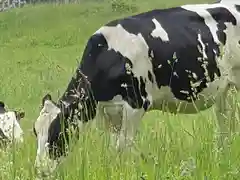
(46, 97)
(19, 115)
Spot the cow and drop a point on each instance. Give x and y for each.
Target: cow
(181, 60)
(10, 129)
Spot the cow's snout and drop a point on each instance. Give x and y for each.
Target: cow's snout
(44, 166)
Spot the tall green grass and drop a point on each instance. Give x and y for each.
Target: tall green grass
(39, 49)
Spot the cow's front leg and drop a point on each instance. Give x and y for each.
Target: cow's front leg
(110, 119)
(130, 122)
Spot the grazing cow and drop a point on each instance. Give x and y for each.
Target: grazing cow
(182, 59)
(9, 125)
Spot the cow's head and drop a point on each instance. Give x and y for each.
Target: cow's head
(9, 124)
(52, 125)
(51, 131)
(47, 129)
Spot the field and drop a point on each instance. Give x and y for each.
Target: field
(39, 49)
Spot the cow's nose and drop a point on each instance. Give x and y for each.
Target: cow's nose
(44, 167)
(39, 172)
(37, 168)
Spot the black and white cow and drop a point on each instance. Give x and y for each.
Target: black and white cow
(182, 59)
(10, 128)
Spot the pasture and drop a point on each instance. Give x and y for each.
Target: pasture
(39, 49)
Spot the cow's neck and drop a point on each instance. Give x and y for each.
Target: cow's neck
(78, 100)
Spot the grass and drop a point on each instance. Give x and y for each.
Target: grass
(39, 49)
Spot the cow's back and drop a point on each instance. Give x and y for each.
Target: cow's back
(177, 48)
